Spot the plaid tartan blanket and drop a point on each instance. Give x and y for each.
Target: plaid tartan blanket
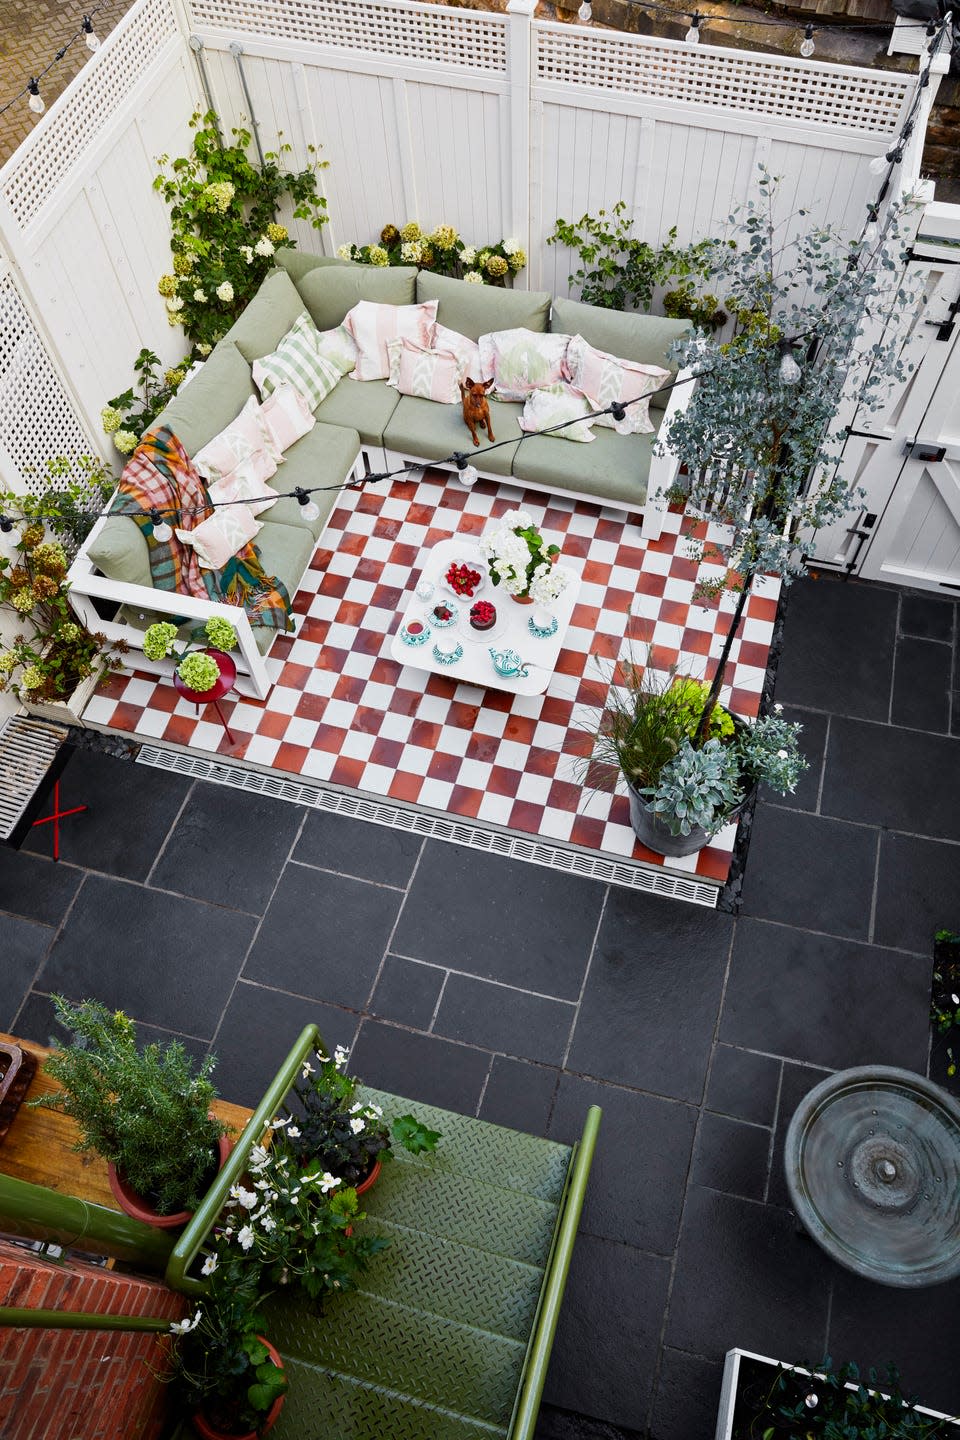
(160, 476)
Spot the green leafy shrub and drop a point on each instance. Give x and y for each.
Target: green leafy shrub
(815, 1404)
(441, 250)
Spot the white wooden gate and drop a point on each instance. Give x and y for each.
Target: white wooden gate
(907, 457)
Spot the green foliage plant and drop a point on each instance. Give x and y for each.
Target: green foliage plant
(945, 992)
(698, 788)
(197, 670)
(223, 215)
(807, 1404)
(621, 272)
(145, 1111)
(128, 415)
(72, 490)
(443, 251)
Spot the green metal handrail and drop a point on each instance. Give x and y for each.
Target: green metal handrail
(33, 1212)
(190, 1242)
(78, 1320)
(554, 1281)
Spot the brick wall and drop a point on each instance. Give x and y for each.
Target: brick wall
(78, 1384)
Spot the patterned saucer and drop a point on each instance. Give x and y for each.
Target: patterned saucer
(444, 624)
(417, 639)
(545, 634)
(442, 659)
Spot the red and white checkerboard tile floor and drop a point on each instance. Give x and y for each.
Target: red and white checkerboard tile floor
(343, 711)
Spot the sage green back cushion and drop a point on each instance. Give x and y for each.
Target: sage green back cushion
(626, 334)
(268, 316)
(477, 310)
(298, 263)
(329, 291)
(120, 552)
(207, 403)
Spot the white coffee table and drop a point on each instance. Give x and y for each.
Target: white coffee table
(511, 631)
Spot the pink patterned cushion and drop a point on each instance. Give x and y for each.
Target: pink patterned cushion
(245, 438)
(216, 539)
(242, 484)
(373, 326)
(286, 416)
(605, 378)
(428, 374)
(466, 350)
(518, 361)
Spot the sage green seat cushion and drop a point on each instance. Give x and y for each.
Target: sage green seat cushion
(120, 551)
(362, 405)
(267, 318)
(324, 456)
(476, 310)
(214, 397)
(329, 291)
(430, 431)
(628, 335)
(612, 467)
(298, 263)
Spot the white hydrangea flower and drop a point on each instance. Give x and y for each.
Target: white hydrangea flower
(344, 252)
(475, 278)
(209, 1265)
(512, 245)
(225, 292)
(468, 255)
(328, 1182)
(200, 296)
(247, 252)
(174, 304)
(245, 1237)
(264, 246)
(357, 1124)
(183, 1327)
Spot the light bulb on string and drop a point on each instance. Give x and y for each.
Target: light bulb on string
(467, 474)
(35, 101)
(692, 36)
(6, 524)
(161, 530)
(789, 369)
(878, 165)
(871, 231)
(309, 509)
(91, 38)
(585, 13)
(807, 46)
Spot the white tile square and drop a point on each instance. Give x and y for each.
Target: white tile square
(535, 788)
(435, 793)
(340, 713)
(377, 696)
(415, 759)
(359, 664)
(512, 755)
(261, 750)
(433, 708)
(321, 682)
(394, 726)
(318, 765)
(377, 779)
(657, 562)
(495, 809)
(556, 824)
(300, 731)
(453, 741)
(357, 744)
(341, 637)
(284, 700)
(475, 774)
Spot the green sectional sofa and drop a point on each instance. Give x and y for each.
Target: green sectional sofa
(368, 426)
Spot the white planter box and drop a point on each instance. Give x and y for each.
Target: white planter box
(731, 1381)
(69, 710)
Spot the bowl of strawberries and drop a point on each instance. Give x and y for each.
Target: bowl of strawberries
(465, 578)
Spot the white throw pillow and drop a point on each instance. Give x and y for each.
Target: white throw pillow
(243, 484)
(466, 350)
(606, 378)
(373, 326)
(297, 361)
(427, 374)
(219, 537)
(551, 406)
(245, 439)
(518, 361)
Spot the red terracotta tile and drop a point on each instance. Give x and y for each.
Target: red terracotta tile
(314, 630)
(585, 617)
(295, 677)
(466, 802)
(587, 832)
(444, 767)
(753, 654)
(367, 720)
(405, 702)
(273, 724)
(386, 752)
(350, 688)
(386, 529)
(351, 612)
(462, 716)
(347, 771)
(178, 730)
(565, 796)
(291, 758)
(713, 864)
(164, 698)
(128, 717)
(596, 572)
(334, 585)
(520, 729)
(387, 597)
(329, 738)
(542, 762)
(405, 787)
(311, 707)
(503, 781)
(425, 734)
(482, 747)
(526, 816)
(650, 584)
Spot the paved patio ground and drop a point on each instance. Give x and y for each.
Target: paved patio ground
(523, 995)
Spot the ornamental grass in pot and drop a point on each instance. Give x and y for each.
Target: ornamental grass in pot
(144, 1111)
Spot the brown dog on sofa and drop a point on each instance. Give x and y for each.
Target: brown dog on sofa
(476, 411)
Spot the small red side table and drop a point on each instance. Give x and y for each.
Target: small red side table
(213, 696)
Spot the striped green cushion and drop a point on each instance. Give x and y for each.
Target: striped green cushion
(298, 362)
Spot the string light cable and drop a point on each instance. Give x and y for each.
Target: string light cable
(699, 18)
(31, 91)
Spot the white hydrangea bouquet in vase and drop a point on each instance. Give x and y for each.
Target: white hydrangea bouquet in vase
(522, 563)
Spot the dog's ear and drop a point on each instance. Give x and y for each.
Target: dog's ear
(488, 383)
(466, 383)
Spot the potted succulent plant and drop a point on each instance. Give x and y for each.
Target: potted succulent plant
(144, 1111)
(521, 561)
(684, 785)
(343, 1134)
(199, 659)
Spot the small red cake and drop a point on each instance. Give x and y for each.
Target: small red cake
(483, 615)
(442, 612)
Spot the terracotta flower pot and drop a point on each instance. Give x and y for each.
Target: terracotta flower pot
(371, 1179)
(133, 1204)
(209, 1432)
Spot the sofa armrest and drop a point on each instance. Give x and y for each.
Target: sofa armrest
(665, 465)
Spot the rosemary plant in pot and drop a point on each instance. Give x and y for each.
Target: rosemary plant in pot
(144, 1111)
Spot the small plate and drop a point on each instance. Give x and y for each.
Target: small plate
(431, 619)
(542, 634)
(472, 563)
(442, 659)
(420, 639)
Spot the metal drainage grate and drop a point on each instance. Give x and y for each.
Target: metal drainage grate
(553, 856)
(28, 748)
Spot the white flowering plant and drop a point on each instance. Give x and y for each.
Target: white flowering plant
(441, 250)
(521, 562)
(128, 415)
(340, 1131)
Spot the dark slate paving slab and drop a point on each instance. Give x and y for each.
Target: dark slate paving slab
(420, 1067)
(744, 1085)
(556, 1424)
(23, 948)
(260, 1027)
(688, 1394)
(131, 810)
(813, 742)
(918, 892)
(829, 1001)
(37, 1021)
(228, 847)
(519, 1095)
(731, 1156)
(531, 1027)
(407, 991)
(809, 871)
(650, 1003)
(745, 1277)
(833, 630)
(34, 887)
(355, 847)
(899, 779)
(465, 909)
(640, 1165)
(926, 616)
(156, 956)
(606, 1343)
(324, 936)
(797, 1081)
(875, 1324)
(921, 685)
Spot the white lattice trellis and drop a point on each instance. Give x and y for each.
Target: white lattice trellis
(37, 420)
(98, 93)
(731, 80)
(433, 33)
